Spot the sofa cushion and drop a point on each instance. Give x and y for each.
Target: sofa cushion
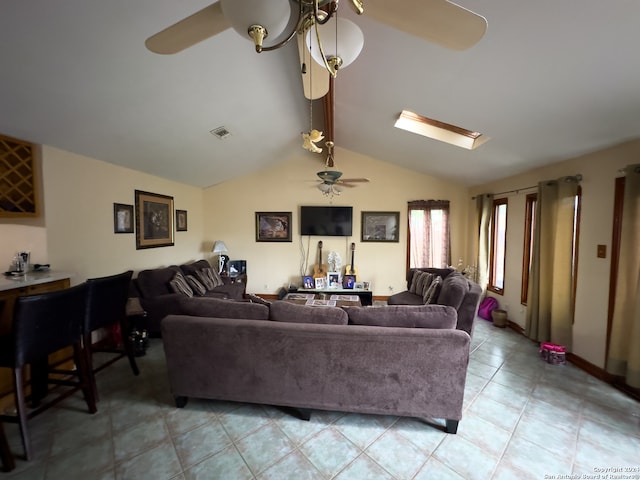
(409, 316)
(432, 292)
(454, 288)
(154, 282)
(192, 268)
(283, 311)
(196, 286)
(214, 307)
(405, 298)
(179, 284)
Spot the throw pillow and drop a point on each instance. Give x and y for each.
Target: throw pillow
(422, 279)
(414, 281)
(431, 294)
(283, 311)
(179, 284)
(214, 276)
(195, 284)
(204, 279)
(407, 316)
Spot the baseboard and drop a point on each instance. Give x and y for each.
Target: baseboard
(593, 370)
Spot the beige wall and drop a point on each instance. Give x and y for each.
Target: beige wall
(599, 170)
(76, 232)
(230, 216)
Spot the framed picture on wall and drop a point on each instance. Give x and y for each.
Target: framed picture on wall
(380, 227)
(122, 218)
(181, 220)
(154, 220)
(273, 226)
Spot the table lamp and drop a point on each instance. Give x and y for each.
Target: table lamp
(220, 248)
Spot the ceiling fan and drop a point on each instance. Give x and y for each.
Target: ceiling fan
(437, 21)
(331, 181)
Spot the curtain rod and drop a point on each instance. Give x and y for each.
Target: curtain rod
(577, 178)
(517, 190)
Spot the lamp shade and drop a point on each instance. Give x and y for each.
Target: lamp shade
(350, 41)
(273, 15)
(219, 247)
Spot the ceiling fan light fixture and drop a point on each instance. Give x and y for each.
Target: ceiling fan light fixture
(340, 54)
(257, 18)
(444, 132)
(329, 176)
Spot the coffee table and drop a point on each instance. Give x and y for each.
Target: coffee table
(366, 296)
(330, 299)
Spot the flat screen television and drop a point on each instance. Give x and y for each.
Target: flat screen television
(329, 221)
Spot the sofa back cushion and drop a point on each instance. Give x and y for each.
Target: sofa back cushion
(454, 288)
(152, 283)
(214, 307)
(409, 316)
(191, 268)
(437, 272)
(283, 311)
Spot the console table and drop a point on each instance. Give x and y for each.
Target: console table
(366, 296)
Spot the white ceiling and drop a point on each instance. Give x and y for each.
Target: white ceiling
(550, 80)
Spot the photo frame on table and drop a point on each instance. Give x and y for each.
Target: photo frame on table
(380, 227)
(307, 282)
(154, 220)
(273, 226)
(321, 283)
(358, 285)
(333, 280)
(122, 218)
(181, 220)
(349, 281)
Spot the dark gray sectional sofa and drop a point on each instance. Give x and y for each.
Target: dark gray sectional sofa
(455, 290)
(403, 360)
(158, 299)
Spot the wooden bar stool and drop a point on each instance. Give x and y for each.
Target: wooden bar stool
(44, 324)
(8, 463)
(106, 306)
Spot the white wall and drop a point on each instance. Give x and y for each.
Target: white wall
(79, 194)
(599, 170)
(230, 216)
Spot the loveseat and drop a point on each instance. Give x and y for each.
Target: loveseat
(403, 360)
(159, 296)
(454, 290)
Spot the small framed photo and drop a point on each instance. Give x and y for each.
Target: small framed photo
(273, 226)
(181, 220)
(380, 227)
(122, 218)
(307, 282)
(333, 280)
(349, 281)
(154, 220)
(358, 286)
(321, 283)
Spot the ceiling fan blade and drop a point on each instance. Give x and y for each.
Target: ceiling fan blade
(354, 180)
(438, 21)
(315, 80)
(187, 32)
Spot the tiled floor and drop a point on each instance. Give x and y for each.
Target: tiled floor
(523, 419)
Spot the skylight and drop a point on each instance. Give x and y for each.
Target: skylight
(412, 122)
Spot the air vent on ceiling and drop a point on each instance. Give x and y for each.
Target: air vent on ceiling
(221, 132)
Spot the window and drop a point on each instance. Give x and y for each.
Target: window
(498, 246)
(529, 228)
(428, 238)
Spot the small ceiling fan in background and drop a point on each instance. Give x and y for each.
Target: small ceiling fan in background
(437, 21)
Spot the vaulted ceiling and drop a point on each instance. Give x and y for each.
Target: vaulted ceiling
(549, 80)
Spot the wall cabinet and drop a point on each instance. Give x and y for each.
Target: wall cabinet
(17, 179)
